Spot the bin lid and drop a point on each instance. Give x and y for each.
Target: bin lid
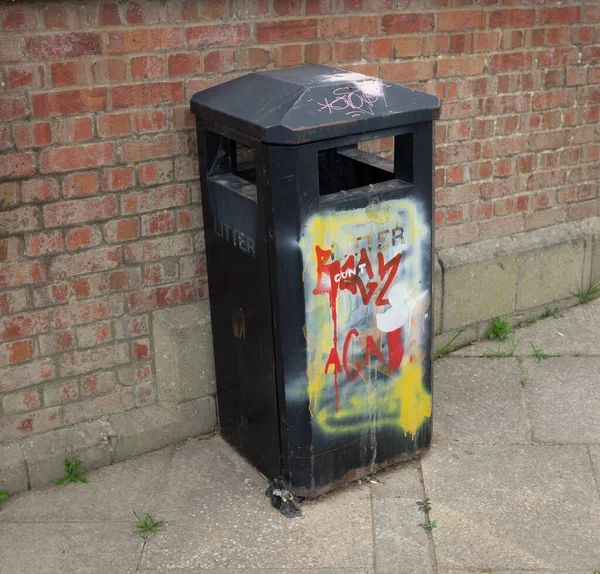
(310, 103)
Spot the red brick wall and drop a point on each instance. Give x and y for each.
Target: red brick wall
(99, 215)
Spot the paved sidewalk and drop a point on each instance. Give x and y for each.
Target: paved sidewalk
(512, 476)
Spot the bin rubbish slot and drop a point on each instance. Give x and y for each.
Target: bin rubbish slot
(366, 164)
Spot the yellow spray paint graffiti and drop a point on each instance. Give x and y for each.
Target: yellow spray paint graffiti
(367, 299)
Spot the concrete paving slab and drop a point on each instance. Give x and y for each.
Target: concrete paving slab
(67, 548)
(222, 520)
(400, 481)
(254, 571)
(513, 507)
(401, 545)
(112, 493)
(563, 399)
(595, 456)
(478, 401)
(575, 333)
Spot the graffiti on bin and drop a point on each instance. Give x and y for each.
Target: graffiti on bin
(355, 100)
(365, 317)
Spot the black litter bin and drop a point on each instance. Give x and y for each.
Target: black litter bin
(319, 261)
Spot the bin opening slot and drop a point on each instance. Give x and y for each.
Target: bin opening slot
(367, 163)
(243, 160)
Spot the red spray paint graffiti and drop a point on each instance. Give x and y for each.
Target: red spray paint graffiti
(334, 276)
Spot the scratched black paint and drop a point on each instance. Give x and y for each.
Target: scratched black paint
(293, 119)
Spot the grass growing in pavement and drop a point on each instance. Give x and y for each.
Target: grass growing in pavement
(539, 354)
(447, 347)
(4, 495)
(499, 329)
(148, 526)
(75, 469)
(585, 296)
(425, 506)
(550, 313)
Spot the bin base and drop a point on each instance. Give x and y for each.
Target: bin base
(354, 475)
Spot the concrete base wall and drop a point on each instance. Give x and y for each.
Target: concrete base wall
(511, 277)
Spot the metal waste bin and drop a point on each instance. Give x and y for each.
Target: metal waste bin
(319, 259)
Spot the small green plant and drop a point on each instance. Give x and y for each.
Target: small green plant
(499, 329)
(585, 296)
(424, 505)
(539, 355)
(75, 470)
(148, 526)
(503, 354)
(4, 495)
(526, 321)
(428, 526)
(447, 347)
(525, 380)
(550, 313)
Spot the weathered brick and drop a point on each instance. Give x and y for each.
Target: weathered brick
(162, 297)
(144, 67)
(64, 45)
(193, 266)
(18, 274)
(158, 223)
(21, 402)
(111, 125)
(79, 211)
(155, 173)
(159, 273)
(83, 362)
(43, 243)
(109, 70)
(23, 425)
(60, 393)
(18, 220)
(89, 286)
(52, 294)
(21, 376)
(461, 66)
(98, 384)
(125, 279)
(83, 237)
(219, 35)
(460, 20)
(72, 130)
(147, 94)
(512, 18)
(95, 334)
(9, 194)
(121, 230)
(154, 249)
(16, 165)
(407, 71)
(150, 147)
(152, 200)
(77, 157)
(56, 342)
(151, 121)
(511, 61)
(144, 394)
(187, 63)
(80, 184)
(25, 76)
(70, 73)
(69, 102)
(90, 261)
(32, 134)
(18, 17)
(407, 23)
(560, 15)
(16, 352)
(342, 27)
(128, 327)
(140, 349)
(62, 16)
(221, 61)
(15, 301)
(24, 326)
(115, 402)
(118, 178)
(143, 40)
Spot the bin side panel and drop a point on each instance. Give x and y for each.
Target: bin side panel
(237, 261)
